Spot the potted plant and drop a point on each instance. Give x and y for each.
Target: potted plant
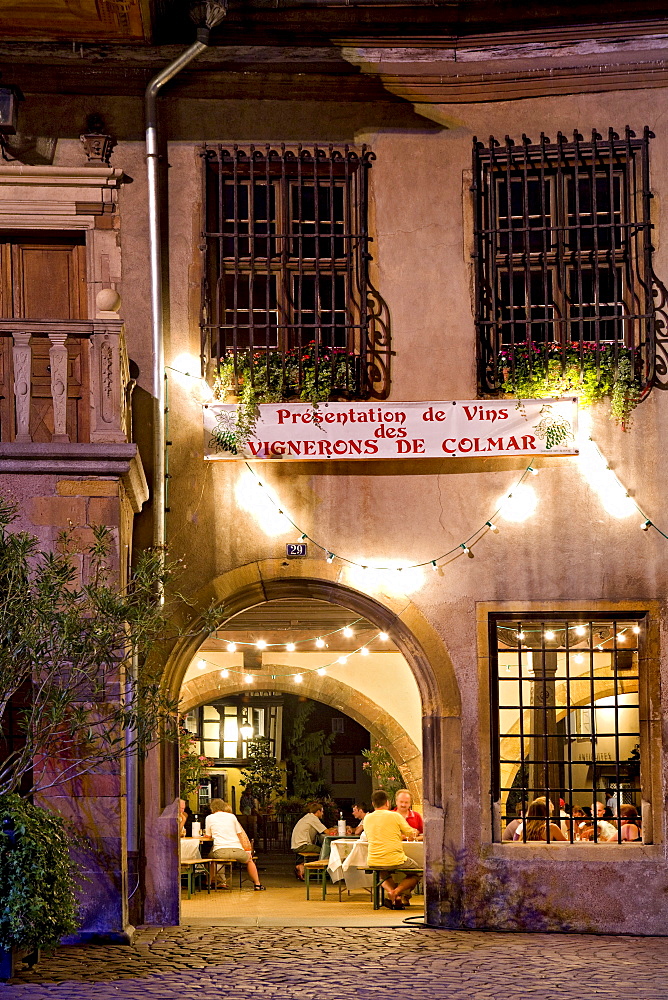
(37, 889)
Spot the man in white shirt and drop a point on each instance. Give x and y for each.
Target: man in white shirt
(305, 835)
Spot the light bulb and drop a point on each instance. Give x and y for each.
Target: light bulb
(580, 630)
(348, 632)
(636, 629)
(246, 731)
(492, 527)
(383, 636)
(600, 647)
(248, 678)
(530, 469)
(434, 566)
(549, 636)
(579, 658)
(342, 659)
(364, 651)
(201, 664)
(224, 674)
(330, 557)
(320, 643)
(231, 647)
(261, 644)
(321, 671)
(298, 678)
(467, 550)
(620, 637)
(290, 646)
(520, 635)
(303, 537)
(646, 525)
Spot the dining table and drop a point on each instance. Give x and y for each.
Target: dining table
(348, 857)
(327, 841)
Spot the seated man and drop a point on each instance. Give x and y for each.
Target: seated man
(359, 812)
(385, 831)
(305, 834)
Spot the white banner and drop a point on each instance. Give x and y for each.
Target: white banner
(454, 429)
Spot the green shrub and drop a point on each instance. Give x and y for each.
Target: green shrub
(37, 890)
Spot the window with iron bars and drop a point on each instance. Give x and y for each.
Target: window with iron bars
(563, 252)
(565, 718)
(287, 298)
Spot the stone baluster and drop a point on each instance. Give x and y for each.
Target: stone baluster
(22, 361)
(59, 365)
(107, 372)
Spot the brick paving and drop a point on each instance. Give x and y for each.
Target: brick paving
(350, 964)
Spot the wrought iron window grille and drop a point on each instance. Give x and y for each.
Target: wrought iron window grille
(563, 253)
(565, 725)
(286, 295)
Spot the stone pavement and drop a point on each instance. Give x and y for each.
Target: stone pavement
(350, 964)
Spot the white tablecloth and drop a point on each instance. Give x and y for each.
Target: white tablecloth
(356, 854)
(190, 848)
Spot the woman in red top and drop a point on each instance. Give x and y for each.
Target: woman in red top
(403, 803)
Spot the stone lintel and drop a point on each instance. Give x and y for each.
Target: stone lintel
(67, 459)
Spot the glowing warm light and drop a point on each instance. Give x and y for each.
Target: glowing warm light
(231, 647)
(364, 651)
(342, 659)
(520, 635)
(261, 644)
(646, 525)
(348, 632)
(599, 475)
(201, 664)
(635, 629)
(518, 505)
(321, 671)
(248, 678)
(320, 643)
(579, 658)
(580, 630)
(383, 636)
(492, 527)
(621, 637)
(549, 636)
(330, 557)
(246, 731)
(224, 674)
(298, 678)
(260, 501)
(394, 580)
(290, 646)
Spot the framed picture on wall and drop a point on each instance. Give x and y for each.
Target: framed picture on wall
(343, 770)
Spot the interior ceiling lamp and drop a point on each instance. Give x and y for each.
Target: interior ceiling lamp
(246, 729)
(207, 13)
(9, 113)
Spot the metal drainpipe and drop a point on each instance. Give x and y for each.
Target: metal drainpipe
(155, 250)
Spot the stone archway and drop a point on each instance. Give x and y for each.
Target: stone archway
(382, 726)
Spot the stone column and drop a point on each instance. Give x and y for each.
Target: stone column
(108, 372)
(22, 361)
(58, 363)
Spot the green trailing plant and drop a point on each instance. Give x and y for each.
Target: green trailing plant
(306, 374)
(262, 773)
(590, 371)
(305, 751)
(193, 766)
(37, 878)
(384, 772)
(79, 673)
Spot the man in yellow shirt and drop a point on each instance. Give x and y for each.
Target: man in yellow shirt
(385, 831)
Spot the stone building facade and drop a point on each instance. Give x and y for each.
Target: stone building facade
(412, 102)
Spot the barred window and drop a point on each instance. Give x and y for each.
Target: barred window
(286, 284)
(563, 250)
(566, 727)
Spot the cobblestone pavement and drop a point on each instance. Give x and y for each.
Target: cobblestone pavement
(350, 964)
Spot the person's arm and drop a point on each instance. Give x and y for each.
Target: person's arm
(420, 824)
(407, 830)
(555, 832)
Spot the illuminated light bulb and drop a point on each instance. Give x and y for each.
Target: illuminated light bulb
(321, 671)
(534, 472)
(298, 678)
(201, 664)
(320, 643)
(342, 659)
(261, 644)
(364, 651)
(580, 630)
(383, 636)
(492, 527)
(467, 550)
(290, 646)
(434, 566)
(549, 636)
(303, 536)
(520, 635)
(636, 629)
(620, 637)
(579, 658)
(330, 557)
(600, 647)
(224, 674)
(231, 647)
(520, 504)
(248, 678)
(348, 632)
(646, 525)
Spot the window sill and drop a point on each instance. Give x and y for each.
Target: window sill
(576, 852)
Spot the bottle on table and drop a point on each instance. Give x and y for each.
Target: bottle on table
(341, 825)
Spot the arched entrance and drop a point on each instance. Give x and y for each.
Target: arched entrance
(429, 663)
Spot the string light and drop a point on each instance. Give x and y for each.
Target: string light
(261, 644)
(549, 636)
(580, 630)
(636, 629)
(320, 643)
(290, 646)
(492, 527)
(646, 525)
(298, 678)
(383, 636)
(248, 678)
(579, 658)
(231, 647)
(201, 664)
(224, 674)
(348, 632)
(321, 671)
(620, 637)
(467, 550)
(342, 659)
(364, 651)
(520, 635)
(434, 566)
(330, 557)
